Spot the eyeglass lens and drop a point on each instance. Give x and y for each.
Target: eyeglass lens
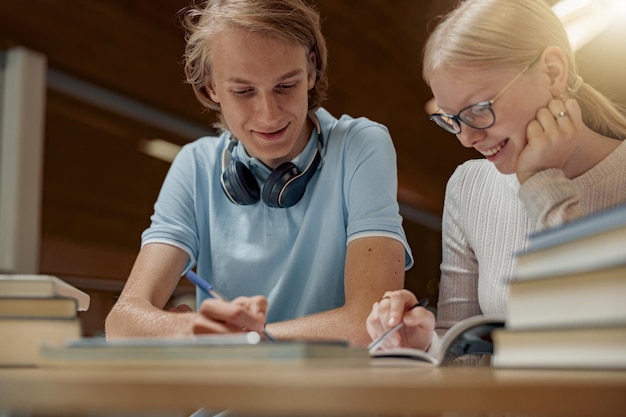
(446, 122)
(478, 116)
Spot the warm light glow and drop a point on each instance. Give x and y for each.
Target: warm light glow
(617, 6)
(566, 8)
(586, 19)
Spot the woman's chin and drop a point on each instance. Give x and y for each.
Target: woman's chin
(504, 168)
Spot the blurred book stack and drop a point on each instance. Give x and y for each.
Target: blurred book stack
(567, 309)
(231, 349)
(37, 309)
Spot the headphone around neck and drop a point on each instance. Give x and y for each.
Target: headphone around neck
(283, 188)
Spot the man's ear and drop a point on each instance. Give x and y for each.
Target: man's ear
(312, 68)
(554, 63)
(210, 88)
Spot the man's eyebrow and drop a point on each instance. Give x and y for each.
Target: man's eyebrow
(290, 74)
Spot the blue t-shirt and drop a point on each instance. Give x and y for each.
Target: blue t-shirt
(294, 256)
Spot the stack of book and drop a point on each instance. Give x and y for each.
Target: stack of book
(37, 310)
(567, 309)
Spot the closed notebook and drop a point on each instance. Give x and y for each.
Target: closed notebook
(598, 347)
(593, 242)
(471, 336)
(595, 297)
(38, 307)
(22, 338)
(245, 349)
(22, 285)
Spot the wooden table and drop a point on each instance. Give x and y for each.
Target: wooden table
(311, 390)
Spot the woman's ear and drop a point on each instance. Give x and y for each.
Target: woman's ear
(554, 63)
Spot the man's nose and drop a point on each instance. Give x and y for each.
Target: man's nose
(268, 108)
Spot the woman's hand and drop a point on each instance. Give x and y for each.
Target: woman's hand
(552, 137)
(241, 314)
(395, 306)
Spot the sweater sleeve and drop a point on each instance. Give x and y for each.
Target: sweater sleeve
(550, 198)
(458, 290)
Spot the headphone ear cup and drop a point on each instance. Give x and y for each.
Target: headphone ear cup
(240, 185)
(285, 186)
(282, 188)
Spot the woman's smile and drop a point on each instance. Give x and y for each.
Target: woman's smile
(492, 152)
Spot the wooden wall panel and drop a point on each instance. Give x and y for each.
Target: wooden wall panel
(133, 47)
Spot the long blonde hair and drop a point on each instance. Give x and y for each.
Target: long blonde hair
(512, 34)
(289, 20)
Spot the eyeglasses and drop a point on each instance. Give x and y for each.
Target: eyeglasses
(478, 116)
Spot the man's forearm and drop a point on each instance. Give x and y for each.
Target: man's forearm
(338, 324)
(141, 319)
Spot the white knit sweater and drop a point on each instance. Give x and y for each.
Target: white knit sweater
(487, 217)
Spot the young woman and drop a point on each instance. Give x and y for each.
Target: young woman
(505, 82)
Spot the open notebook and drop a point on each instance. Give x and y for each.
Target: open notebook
(471, 336)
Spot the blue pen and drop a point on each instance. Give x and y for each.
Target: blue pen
(205, 286)
(213, 293)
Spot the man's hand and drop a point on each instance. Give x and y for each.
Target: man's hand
(241, 314)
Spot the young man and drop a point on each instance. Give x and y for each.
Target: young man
(290, 212)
